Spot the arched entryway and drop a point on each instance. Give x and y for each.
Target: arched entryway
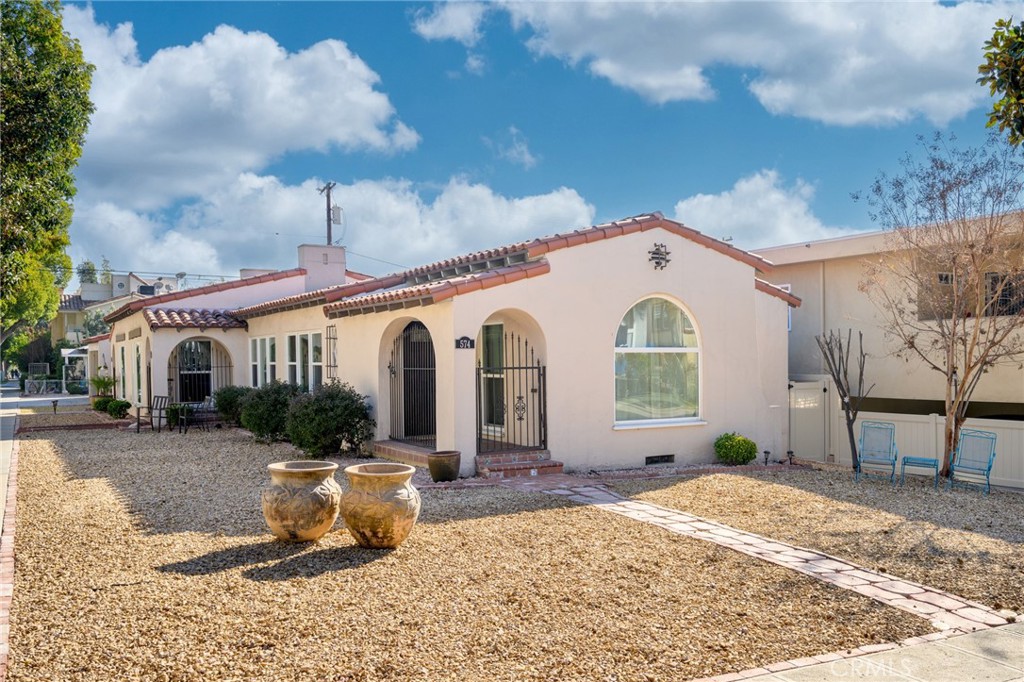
(413, 389)
(511, 386)
(196, 368)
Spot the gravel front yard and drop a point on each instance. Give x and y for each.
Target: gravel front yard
(960, 541)
(146, 557)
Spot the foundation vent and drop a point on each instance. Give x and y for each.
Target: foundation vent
(659, 459)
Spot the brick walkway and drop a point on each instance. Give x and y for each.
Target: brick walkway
(949, 614)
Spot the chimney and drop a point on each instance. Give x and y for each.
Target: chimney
(324, 264)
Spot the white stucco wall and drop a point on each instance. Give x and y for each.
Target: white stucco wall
(578, 306)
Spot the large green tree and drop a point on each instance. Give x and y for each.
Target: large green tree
(44, 91)
(1003, 73)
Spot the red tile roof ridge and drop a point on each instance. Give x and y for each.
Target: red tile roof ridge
(95, 339)
(135, 306)
(777, 291)
(202, 318)
(585, 235)
(329, 294)
(440, 290)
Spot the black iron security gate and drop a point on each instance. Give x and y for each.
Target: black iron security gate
(413, 387)
(510, 376)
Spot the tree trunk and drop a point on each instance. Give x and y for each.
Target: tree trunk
(853, 441)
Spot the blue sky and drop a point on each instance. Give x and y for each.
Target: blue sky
(461, 126)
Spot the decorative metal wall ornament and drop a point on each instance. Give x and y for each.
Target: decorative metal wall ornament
(659, 255)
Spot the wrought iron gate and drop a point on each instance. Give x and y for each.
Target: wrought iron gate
(512, 377)
(413, 387)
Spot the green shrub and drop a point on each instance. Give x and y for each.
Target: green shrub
(77, 388)
(100, 404)
(104, 385)
(229, 402)
(333, 417)
(732, 448)
(175, 411)
(118, 409)
(265, 410)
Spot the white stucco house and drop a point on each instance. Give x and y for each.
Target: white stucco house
(616, 345)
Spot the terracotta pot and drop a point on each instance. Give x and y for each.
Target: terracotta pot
(301, 503)
(444, 465)
(381, 506)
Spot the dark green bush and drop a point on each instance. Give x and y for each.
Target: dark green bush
(229, 402)
(118, 409)
(265, 410)
(732, 448)
(175, 411)
(76, 388)
(100, 404)
(331, 418)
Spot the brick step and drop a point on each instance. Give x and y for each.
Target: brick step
(495, 458)
(519, 469)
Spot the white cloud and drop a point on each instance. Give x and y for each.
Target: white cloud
(513, 147)
(258, 221)
(758, 211)
(459, 21)
(195, 116)
(849, 63)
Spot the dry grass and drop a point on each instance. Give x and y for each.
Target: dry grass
(960, 541)
(146, 557)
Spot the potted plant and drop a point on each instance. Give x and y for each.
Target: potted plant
(444, 465)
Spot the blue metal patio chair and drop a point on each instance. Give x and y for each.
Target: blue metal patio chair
(877, 449)
(972, 464)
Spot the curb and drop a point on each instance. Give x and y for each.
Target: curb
(7, 555)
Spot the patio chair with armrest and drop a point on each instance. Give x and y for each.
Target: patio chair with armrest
(972, 463)
(877, 449)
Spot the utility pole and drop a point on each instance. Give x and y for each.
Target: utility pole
(326, 189)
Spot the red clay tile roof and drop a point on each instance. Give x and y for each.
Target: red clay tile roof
(777, 292)
(460, 268)
(435, 292)
(95, 339)
(320, 296)
(70, 302)
(641, 223)
(161, 318)
(134, 306)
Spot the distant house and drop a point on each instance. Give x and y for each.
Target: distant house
(98, 299)
(825, 275)
(623, 344)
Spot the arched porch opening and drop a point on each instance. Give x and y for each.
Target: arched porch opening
(412, 389)
(511, 385)
(196, 368)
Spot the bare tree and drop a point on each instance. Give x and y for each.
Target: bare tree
(950, 288)
(836, 353)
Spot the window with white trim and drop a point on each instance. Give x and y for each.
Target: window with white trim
(306, 359)
(263, 360)
(657, 365)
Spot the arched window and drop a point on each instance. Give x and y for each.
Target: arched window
(657, 365)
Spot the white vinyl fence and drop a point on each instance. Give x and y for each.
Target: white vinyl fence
(922, 436)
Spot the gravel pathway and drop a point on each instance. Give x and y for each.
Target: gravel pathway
(959, 541)
(145, 556)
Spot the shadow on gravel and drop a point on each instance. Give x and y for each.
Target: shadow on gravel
(290, 560)
(316, 563)
(234, 557)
